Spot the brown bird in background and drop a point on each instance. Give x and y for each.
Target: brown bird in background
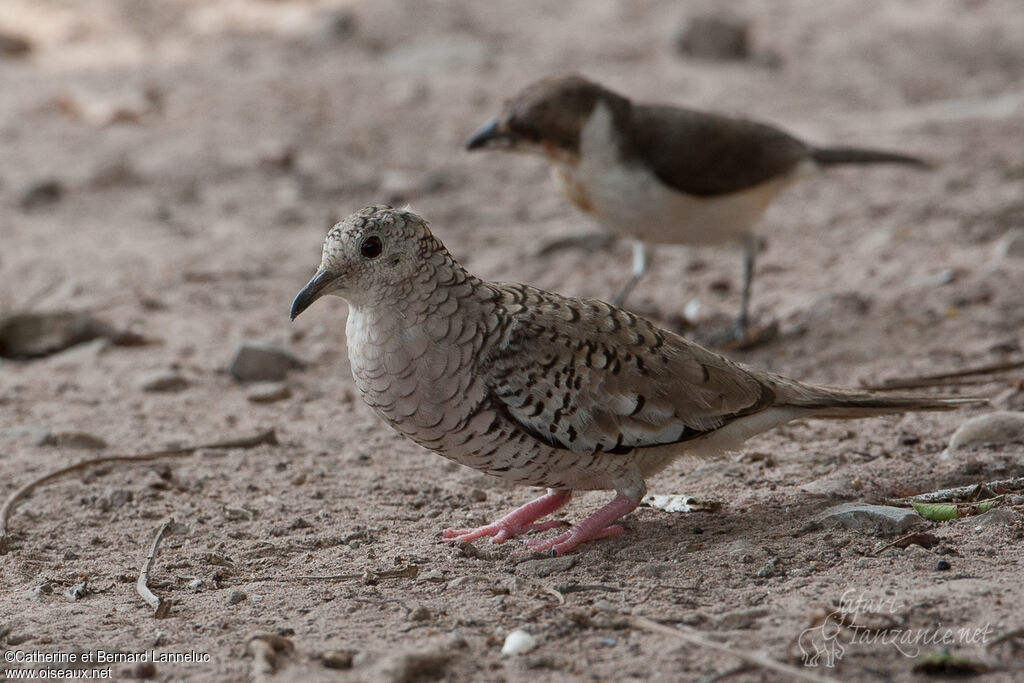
(541, 389)
(658, 173)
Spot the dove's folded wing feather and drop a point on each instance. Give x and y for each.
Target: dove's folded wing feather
(585, 376)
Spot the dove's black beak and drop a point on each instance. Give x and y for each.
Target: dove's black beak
(490, 133)
(311, 292)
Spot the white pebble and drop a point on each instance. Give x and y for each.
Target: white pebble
(518, 643)
(691, 311)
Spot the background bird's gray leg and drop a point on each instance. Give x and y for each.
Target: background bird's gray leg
(749, 254)
(639, 268)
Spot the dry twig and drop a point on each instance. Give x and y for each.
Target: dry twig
(921, 538)
(1013, 634)
(408, 572)
(696, 638)
(945, 378)
(972, 492)
(268, 437)
(162, 606)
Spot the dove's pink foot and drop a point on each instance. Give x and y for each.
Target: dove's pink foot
(597, 525)
(519, 521)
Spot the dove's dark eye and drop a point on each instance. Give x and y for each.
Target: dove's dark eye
(371, 247)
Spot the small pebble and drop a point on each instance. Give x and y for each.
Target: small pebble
(144, 670)
(942, 565)
(42, 194)
(78, 591)
(421, 613)
(161, 381)
(341, 659)
(547, 567)
(269, 392)
(518, 642)
(14, 45)
(336, 25)
(236, 597)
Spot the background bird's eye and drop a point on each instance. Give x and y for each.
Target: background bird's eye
(371, 247)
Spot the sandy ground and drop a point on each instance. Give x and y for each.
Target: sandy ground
(203, 150)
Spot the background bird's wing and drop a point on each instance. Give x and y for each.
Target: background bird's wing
(586, 376)
(706, 154)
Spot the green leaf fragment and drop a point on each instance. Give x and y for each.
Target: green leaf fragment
(936, 512)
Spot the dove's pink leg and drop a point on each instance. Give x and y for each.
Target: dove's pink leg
(595, 526)
(517, 522)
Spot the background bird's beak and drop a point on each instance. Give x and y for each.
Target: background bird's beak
(311, 292)
(488, 134)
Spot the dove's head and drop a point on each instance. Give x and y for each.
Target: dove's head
(377, 255)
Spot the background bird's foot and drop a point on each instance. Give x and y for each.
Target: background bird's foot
(749, 337)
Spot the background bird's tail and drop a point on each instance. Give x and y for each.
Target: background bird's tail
(828, 156)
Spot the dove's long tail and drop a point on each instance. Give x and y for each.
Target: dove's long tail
(840, 403)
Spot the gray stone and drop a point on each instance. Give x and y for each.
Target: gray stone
(714, 37)
(996, 517)
(256, 361)
(993, 429)
(161, 381)
(880, 520)
(1011, 244)
(81, 440)
(236, 597)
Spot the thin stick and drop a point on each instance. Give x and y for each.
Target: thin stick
(921, 381)
(1009, 635)
(962, 492)
(268, 437)
(161, 606)
(695, 638)
(408, 572)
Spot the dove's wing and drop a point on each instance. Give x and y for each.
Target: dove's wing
(586, 376)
